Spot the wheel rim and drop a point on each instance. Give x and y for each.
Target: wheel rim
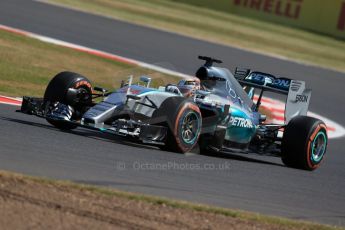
(190, 127)
(318, 147)
(84, 95)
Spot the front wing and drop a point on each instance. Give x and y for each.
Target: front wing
(146, 133)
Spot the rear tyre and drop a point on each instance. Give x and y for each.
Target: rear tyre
(184, 121)
(304, 143)
(56, 91)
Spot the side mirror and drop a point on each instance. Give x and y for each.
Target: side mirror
(146, 80)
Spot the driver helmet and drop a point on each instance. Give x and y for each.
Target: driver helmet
(188, 86)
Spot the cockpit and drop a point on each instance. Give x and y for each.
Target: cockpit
(221, 82)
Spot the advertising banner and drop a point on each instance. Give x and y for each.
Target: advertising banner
(325, 17)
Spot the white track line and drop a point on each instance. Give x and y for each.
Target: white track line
(335, 131)
(93, 51)
(263, 53)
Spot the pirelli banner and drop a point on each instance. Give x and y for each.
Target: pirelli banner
(323, 16)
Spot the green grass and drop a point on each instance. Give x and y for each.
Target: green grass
(27, 65)
(276, 222)
(222, 28)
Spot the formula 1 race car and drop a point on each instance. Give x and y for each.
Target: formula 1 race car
(214, 111)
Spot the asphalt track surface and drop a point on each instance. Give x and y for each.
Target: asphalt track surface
(30, 145)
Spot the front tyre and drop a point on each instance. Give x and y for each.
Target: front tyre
(184, 121)
(304, 143)
(57, 89)
(187, 128)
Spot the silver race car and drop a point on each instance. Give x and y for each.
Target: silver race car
(213, 111)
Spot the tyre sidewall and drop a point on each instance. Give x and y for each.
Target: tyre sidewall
(56, 91)
(171, 113)
(297, 142)
(185, 110)
(318, 127)
(57, 88)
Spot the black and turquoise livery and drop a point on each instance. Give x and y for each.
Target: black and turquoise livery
(216, 112)
(301, 141)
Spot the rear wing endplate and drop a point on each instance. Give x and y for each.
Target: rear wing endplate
(298, 96)
(297, 102)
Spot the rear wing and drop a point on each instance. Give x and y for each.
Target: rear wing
(298, 96)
